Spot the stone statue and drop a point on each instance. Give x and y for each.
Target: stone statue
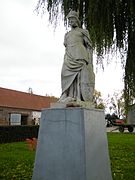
(77, 76)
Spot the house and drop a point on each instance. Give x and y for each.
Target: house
(21, 108)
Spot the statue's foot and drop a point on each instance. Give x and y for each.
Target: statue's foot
(66, 99)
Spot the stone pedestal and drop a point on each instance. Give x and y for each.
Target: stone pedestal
(72, 145)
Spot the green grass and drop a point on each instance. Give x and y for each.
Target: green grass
(122, 155)
(16, 160)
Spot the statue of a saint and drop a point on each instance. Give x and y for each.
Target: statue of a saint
(77, 76)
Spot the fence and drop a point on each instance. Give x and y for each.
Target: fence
(17, 133)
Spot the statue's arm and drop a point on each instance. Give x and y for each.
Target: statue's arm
(88, 45)
(87, 39)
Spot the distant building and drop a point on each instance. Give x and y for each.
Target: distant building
(20, 108)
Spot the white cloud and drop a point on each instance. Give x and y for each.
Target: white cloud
(31, 53)
(110, 80)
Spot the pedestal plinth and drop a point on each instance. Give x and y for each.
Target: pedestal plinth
(72, 145)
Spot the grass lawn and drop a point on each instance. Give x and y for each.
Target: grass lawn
(16, 160)
(122, 155)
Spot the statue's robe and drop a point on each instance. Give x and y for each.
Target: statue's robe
(77, 76)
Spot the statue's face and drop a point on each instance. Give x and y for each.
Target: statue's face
(73, 22)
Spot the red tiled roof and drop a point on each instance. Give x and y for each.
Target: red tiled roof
(18, 99)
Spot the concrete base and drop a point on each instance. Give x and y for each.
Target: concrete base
(83, 104)
(72, 145)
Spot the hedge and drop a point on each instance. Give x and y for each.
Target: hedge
(17, 133)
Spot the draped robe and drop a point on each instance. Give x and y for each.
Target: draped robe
(77, 76)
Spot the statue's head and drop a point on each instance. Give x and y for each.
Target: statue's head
(73, 18)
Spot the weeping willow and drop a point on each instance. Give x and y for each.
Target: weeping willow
(110, 22)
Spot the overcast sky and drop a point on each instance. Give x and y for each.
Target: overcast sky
(31, 53)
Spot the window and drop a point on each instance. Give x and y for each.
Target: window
(15, 119)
